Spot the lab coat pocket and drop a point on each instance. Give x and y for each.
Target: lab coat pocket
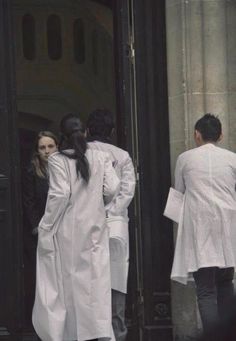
(118, 249)
(45, 242)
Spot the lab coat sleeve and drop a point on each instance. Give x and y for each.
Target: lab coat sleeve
(58, 194)
(126, 190)
(111, 181)
(179, 179)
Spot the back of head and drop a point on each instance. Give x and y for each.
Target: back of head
(69, 124)
(100, 125)
(210, 128)
(73, 137)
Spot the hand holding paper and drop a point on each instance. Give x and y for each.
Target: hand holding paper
(174, 205)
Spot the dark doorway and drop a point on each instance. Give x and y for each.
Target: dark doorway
(132, 82)
(73, 68)
(26, 138)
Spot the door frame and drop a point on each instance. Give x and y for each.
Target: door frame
(126, 125)
(11, 265)
(141, 66)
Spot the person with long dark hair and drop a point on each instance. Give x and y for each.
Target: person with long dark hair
(73, 289)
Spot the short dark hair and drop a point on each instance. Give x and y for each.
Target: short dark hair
(210, 127)
(100, 124)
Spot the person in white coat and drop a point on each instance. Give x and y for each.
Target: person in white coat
(73, 299)
(100, 126)
(206, 244)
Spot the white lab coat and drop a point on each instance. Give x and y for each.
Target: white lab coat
(73, 300)
(206, 232)
(117, 214)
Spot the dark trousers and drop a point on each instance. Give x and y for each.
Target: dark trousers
(118, 315)
(215, 295)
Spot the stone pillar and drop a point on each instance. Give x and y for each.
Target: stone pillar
(231, 72)
(201, 52)
(214, 42)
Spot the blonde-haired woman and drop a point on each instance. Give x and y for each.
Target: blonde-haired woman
(35, 190)
(36, 178)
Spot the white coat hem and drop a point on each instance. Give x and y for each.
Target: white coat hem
(85, 337)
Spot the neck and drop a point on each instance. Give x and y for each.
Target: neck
(202, 143)
(99, 138)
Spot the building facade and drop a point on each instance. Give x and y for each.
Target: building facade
(158, 65)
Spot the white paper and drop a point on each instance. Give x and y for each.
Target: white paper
(174, 205)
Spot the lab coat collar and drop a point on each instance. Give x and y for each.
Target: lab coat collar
(208, 145)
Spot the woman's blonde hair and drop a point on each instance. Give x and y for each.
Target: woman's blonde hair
(36, 161)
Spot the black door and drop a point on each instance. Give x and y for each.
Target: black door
(10, 212)
(144, 129)
(127, 134)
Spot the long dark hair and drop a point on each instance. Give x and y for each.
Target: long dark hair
(73, 137)
(38, 165)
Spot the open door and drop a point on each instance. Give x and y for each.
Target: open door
(143, 117)
(127, 132)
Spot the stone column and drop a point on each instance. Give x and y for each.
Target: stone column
(214, 42)
(231, 72)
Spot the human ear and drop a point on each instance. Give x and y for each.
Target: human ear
(197, 137)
